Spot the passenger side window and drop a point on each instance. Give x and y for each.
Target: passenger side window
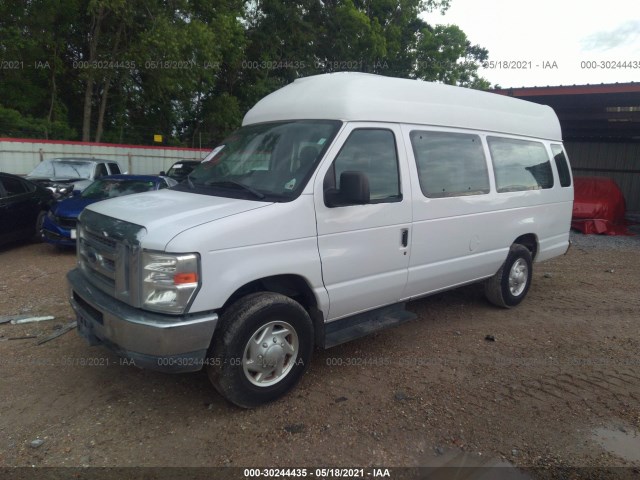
(114, 168)
(561, 165)
(450, 164)
(520, 164)
(372, 152)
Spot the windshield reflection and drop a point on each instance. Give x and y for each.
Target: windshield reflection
(269, 161)
(108, 188)
(63, 169)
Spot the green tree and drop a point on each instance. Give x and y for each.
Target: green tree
(386, 37)
(121, 71)
(183, 60)
(33, 39)
(444, 54)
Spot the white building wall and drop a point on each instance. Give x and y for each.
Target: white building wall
(20, 156)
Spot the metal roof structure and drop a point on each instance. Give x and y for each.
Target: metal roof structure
(604, 112)
(353, 96)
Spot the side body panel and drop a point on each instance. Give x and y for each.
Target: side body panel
(364, 261)
(461, 239)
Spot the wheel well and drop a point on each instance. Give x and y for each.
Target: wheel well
(292, 286)
(530, 241)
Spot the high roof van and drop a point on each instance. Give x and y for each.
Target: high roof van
(342, 197)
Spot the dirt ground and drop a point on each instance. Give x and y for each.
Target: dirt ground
(562, 373)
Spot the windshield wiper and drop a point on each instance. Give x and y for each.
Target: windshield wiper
(75, 170)
(233, 183)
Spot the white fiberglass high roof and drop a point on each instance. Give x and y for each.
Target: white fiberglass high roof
(351, 96)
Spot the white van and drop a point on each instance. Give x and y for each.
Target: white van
(342, 197)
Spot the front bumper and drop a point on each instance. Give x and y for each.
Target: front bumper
(57, 235)
(153, 341)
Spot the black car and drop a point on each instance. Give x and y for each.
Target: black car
(23, 208)
(180, 170)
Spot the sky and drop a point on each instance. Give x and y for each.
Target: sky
(551, 42)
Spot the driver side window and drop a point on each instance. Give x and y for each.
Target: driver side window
(373, 152)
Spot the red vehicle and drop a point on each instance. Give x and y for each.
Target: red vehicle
(598, 206)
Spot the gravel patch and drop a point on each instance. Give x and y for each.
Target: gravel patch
(610, 242)
(551, 384)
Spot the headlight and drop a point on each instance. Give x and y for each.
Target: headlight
(169, 282)
(61, 191)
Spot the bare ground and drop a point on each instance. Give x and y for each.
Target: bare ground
(563, 364)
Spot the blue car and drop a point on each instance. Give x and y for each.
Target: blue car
(59, 227)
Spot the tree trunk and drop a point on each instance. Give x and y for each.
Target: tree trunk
(53, 92)
(94, 35)
(86, 114)
(103, 107)
(105, 89)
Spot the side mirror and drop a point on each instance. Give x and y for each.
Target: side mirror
(162, 173)
(354, 190)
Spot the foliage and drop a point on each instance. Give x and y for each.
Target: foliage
(118, 71)
(14, 124)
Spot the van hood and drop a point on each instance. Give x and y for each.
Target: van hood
(166, 213)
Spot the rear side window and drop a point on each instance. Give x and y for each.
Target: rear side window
(562, 165)
(115, 169)
(450, 164)
(520, 164)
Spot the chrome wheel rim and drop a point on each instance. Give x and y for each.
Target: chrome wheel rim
(518, 276)
(270, 353)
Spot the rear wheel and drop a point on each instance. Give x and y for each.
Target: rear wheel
(261, 350)
(508, 287)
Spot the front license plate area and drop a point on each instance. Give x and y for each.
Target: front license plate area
(85, 329)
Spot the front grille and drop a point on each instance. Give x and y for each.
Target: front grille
(104, 242)
(98, 259)
(66, 222)
(108, 250)
(95, 314)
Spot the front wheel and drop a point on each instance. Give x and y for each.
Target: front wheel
(39, 235)
(261, 350)
(508, 287)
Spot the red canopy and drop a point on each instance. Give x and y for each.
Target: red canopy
(598, 206)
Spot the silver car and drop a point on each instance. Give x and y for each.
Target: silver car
(63, 175)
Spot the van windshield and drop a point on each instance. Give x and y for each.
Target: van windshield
(267, 162)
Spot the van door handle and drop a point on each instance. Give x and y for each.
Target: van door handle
(405, 237)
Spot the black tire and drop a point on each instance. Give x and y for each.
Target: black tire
(508, 287)
(39, 236)
(234, 368)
